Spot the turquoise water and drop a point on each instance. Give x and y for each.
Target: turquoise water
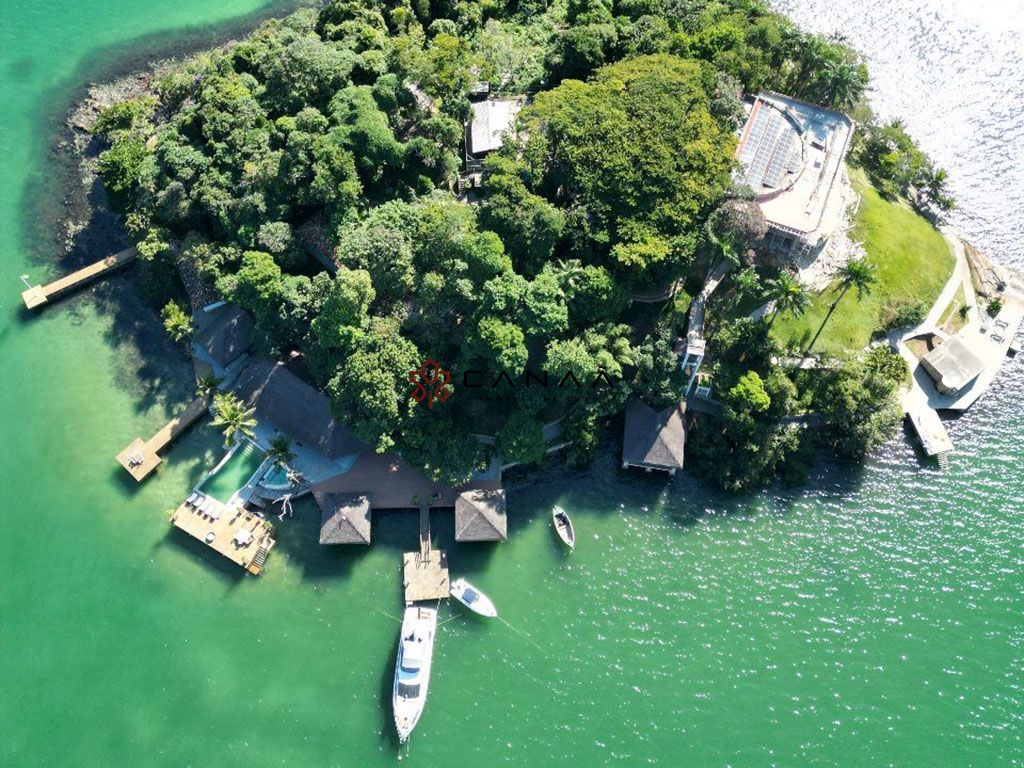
(235, 473)
(872, 618)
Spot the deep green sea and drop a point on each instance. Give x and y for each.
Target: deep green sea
(874, 617)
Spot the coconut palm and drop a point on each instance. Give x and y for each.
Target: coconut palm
(233, 417)
(857, 273)
(788, 294)
(860, 274)
(280, 449)
(841, 84)
(207, 385)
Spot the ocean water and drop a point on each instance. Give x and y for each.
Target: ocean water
(873, 617)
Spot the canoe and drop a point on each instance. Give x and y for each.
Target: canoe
(563, 526)
(473, 598)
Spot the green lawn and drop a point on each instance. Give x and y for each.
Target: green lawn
(914, 262)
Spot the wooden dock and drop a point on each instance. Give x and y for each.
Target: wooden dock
(425, 573)
(38, 295)
(241, 536)
(425, 578)
(141, 457)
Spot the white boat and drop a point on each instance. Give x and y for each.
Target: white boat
(412, 668)
(563, 526)
(473, 598)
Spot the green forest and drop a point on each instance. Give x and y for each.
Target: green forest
(338, 134)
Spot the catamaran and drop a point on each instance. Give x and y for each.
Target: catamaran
(412, 669)
(473, 598)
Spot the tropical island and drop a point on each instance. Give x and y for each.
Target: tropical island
(573, 211)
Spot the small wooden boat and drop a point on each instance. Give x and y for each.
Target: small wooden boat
(563, 526)
(473, 598)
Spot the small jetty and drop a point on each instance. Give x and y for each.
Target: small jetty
(425, 573)
(931, 432)
(141, 457)
(38, 295)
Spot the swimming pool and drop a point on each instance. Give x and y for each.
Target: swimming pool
(235, 473)
(276, 477)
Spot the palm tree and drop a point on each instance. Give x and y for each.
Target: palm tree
(280, 449)
(789, 295)
(860, 274)
(746, 283)
(207, 385)
(857, 273)
(233, 416)
(841, 84)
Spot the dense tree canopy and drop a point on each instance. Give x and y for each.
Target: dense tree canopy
(308, 173)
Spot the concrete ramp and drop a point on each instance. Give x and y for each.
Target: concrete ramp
(930, 431)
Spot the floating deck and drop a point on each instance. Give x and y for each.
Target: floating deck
(38, 295)
(225, 533)
(425, 577)
(147, 450)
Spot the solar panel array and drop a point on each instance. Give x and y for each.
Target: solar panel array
(772, 146)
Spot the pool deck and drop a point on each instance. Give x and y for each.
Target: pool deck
(219, 534)
(148, 449)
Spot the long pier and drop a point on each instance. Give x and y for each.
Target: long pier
(38, 295)
(141, 457)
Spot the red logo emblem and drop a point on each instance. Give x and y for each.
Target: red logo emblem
(433, 383)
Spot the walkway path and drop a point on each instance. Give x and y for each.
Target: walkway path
(695, 330)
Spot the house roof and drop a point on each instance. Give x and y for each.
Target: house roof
(344, 517)
(392, 484)
(223, 333)
(953, 364)
(295, 408)
(654, 438)
(791, 153)
(491, 120)
(480, 515)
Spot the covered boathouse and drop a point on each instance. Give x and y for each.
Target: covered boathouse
(654, 439)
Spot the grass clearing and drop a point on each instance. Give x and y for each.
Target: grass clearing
(913, 260)
(952, 320)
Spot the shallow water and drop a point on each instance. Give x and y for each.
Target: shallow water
(873, 617)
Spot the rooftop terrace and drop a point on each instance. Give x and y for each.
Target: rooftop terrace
(792, 153)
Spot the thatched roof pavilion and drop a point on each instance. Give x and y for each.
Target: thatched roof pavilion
(345, 517)
(480, 515)
(654, 439)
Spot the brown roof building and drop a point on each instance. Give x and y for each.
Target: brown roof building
(222, 335)
(654, 439)
(344, 517)
(295, 408)
(480, 516)
(385, 481)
